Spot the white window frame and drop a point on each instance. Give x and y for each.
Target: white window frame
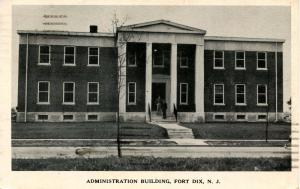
(216, 114)
(266, 94)
(88, 92)
(237, 114)
(135, 60)
(163, 61)
(236, 59)
(69, 103)
(236, 93)
(87, 117)
(218, 104)
(41, 120)
(49, 55)
(180, 57)
(38, 93)
(68, 64)
(129, 92)
(261, 119)
(93, 55)
(66, 120)
(219, 68)
(186, 94)
(265, 59)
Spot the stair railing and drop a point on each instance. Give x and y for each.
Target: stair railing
(149, 112)
(175, 111)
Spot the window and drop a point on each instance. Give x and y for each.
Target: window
(219, 94)
(44, 55)
(43, 92)
(92, 117)
(241, 117)
(218, 59)
(219, 117)
(69, 93)
(68, 117)
(184, 89)
(261, 117)
(261, 60)
(93, 93)
(69, 56)
(240, 60)
(42, 117)
(261, 94)
(240, 94)
(160, 57)
(93, 56)
(183, 60)
(131, 93)
(132, 59)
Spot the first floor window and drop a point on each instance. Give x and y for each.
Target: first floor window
(240, 94)
(69, 93)
(240, 60)
(218, 59)
(93, 93)
(184, 93)
(93, 56)
(69, 58)
(262, 94)
(43, 92)
(44, 54)
(261, 60)
(218, 94)
(131, 93)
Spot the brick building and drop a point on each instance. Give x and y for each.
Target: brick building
(73, 76)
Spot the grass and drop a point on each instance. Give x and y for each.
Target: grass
(246, 131)
(153, 164)
(95, 130)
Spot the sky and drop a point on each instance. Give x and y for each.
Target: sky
(230, 21)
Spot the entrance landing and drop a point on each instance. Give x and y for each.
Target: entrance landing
(176, 131)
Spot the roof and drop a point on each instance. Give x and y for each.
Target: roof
(65, 33)
(242, 39)
(142, 27)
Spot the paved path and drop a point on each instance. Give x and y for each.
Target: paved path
(176, 131)
(192, 152)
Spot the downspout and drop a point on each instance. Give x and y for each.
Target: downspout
(26, 79)
(276, 88)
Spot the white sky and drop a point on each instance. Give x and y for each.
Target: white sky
(233, 21)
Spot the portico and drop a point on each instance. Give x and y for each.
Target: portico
(171, 36)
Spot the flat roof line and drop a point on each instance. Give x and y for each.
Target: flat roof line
(220, 38)
(66, 33)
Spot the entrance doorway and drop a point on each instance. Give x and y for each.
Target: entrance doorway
(158, 90)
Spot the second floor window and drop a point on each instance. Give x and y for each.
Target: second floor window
(69, 93)
(93, 56)
(218, 94)
(240, 60)
(261, 60)
(69, 56)
(132, 59)
(44, 55)
(183, 60)
(218, 59)
(160, 57)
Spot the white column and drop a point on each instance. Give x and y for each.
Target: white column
(199, 80)
(148, 88)
(173, 96)
(122, 78)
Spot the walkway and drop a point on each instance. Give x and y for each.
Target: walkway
(176, 131)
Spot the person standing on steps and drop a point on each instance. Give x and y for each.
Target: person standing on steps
(164, 109)
(158, 102)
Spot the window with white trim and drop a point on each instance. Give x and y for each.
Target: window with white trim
(161, 57)
(43, 96)
(69, 56)
(93, 93)
(218, 59)
(262, 94)
(183, 59)
(131, 93)
(261, 60)
(240, 60)
(92, 117)
(184, 91)
(68, 117)
(219, 117)
(240, 94)
(93, 56)
(42, 117)
(218, 94)
(241, 117)
(132, 59)
(69, 93)
(261, 117)
(44, 55)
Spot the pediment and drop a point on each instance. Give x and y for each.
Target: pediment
(162, 26)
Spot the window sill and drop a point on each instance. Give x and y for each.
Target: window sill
(132, 66)
(92, 103)
(44, 64)
(43, 103)
(157, 66)
(131, 104)
(239, 68)
(91, 65)
(262, 69)
(241, 104)
(219, 104)
(219, 68)
(262, 104)
(184, 104)
(71, 65)
(65, 103)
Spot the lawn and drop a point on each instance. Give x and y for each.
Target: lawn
(247, 131)
(153, 164)
(95, 130)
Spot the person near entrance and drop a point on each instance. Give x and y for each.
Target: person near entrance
(158, 105)
(164, 109)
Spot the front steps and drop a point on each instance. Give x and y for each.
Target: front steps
(176, 131)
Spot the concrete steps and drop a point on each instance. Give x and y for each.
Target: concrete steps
(176, 131)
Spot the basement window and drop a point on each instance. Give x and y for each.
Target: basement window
(68, 117)
(42, 117)
(261, 117)
(219, 117)
(92, 117)
(241, 117)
